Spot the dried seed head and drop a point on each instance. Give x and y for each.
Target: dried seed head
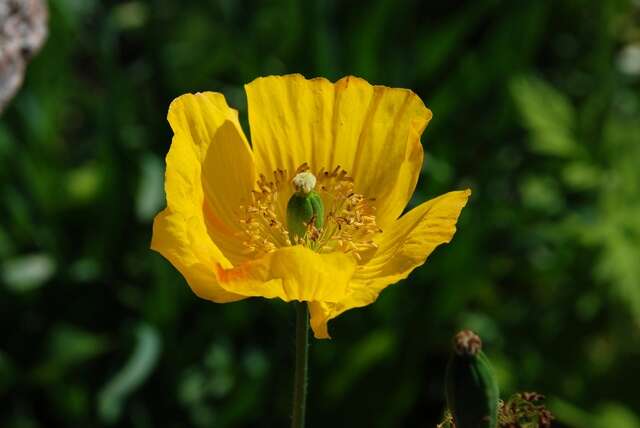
(467, 343)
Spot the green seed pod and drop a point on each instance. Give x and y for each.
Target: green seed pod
(471, 388)
(301, 210)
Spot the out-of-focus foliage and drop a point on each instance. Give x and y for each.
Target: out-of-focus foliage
(536, 107)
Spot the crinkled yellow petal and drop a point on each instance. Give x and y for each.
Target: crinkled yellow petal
(321, 313)
(373, 132)
(292, 273)
(410, 240)
(404, 246)
(179, 240)
(209, 171)
(228, 176)
(210, 167)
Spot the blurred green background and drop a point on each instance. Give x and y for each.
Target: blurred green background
(536, 108)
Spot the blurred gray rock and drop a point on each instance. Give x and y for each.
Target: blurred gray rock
(23, 29)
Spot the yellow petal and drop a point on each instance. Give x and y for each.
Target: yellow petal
(210, 167)
(292, 273)
(321, 313)
(411, 239)
(373, 132)
(228, 176)
(178, 239)
(402, 247)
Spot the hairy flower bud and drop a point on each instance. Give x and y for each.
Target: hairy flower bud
(471, 388)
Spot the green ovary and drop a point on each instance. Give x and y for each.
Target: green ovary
(301, 210)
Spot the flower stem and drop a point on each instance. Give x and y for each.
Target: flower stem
(302, 363)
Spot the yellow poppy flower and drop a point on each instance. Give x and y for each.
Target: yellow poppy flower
(358, 145)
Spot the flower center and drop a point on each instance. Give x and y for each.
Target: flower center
(349, 223)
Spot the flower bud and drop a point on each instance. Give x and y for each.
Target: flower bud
(305, 207)
(471, 388)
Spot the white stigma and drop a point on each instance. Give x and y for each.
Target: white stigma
(304, 182)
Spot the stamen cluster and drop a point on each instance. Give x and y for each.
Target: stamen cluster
(351, 222)
(261, 225)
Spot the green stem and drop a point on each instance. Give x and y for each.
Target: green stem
(302, 364)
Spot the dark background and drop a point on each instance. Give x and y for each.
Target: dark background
(536, 108)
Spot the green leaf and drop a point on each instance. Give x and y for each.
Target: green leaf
(27, 272)
(150, 195)
(607, 415)
(548, 115)
(71, 345)
(144, 358)
(362, 356)
(617, 229)
(581, 175)
(83, 183)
